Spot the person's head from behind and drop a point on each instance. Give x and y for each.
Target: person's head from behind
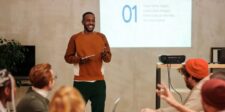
(7, 82)
(218, 75)
(194, 70)
(41, 76)
(213, 95)
(67, 99)
(88, 21)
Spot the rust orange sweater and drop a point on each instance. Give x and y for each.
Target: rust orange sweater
(86, 44)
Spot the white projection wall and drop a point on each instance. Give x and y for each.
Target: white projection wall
(146, 23)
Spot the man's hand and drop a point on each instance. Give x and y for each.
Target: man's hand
(166, 95)
(84, 60)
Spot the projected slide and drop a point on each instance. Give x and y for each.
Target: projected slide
(146, 23)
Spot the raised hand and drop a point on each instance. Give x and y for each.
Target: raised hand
(165, 94)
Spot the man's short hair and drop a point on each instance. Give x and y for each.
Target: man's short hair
(40, 75)
(86, 13)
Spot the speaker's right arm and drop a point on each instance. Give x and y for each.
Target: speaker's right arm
(70, 56)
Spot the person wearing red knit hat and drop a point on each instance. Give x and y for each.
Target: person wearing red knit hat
(195, 72)
(213, 95)
(197, 68)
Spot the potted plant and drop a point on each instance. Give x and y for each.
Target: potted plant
(11, 54)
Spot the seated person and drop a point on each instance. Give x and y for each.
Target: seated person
(7, 90)
(212, 94)
(195, 72)
(67, 99)
(35, 100)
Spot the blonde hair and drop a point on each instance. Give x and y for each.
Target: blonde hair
(67, 99)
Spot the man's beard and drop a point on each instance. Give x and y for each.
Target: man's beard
(189, 86)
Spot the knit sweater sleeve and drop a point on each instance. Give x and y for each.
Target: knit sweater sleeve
(70, 55)
(108, 56)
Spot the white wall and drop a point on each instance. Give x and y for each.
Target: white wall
(48, 24)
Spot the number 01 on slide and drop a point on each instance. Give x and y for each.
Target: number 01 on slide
(146, 23)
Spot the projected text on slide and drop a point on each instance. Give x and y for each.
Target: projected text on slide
(146, 23)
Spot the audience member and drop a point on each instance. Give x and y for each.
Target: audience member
(67, 99)
(35, 100)
(213, 95)
(213, 99)
(195, 72)
(7, 90)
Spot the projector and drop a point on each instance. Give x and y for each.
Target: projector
(172, 59)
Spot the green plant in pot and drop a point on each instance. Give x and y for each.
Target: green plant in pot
(11, 54)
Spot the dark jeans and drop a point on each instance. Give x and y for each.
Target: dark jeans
(93, 91)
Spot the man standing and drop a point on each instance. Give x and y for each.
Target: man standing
(35, 100)
(87, 50)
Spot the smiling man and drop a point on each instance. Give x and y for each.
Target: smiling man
(86, 51)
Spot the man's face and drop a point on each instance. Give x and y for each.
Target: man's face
(89, 22)
(188, 82)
